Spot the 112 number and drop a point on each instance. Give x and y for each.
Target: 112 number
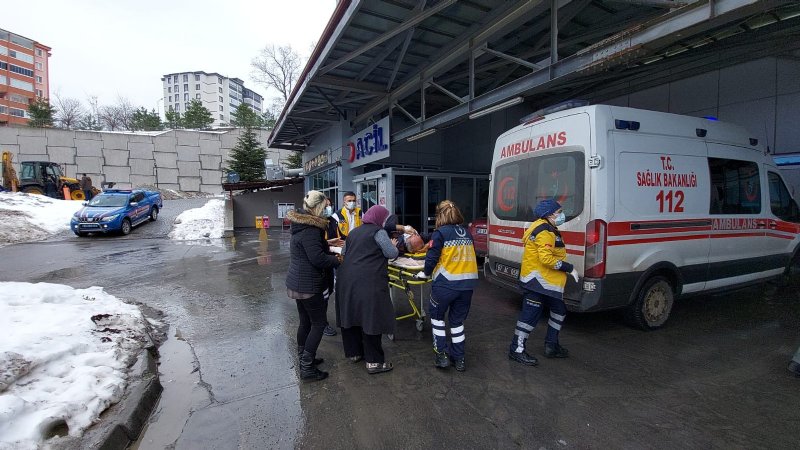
(667, 199)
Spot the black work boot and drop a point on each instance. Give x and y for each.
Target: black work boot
(329, 331)
(308, 371)
(441, 360)
(461, 364)
(555, 351)
(523, 358)
(316, 360)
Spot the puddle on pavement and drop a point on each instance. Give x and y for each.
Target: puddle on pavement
(183, 393)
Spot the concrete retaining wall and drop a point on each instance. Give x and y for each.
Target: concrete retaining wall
(176, 159)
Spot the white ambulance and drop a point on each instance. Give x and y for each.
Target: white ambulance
(658, 205)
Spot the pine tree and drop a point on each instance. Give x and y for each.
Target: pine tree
(41, 113)
(145, 120)
(197, 116)
(90, 122)
(247, 157)
(294, 160)
(244, 116)
(173, 119)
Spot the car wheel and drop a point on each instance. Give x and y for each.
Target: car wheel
(126, 227)
(153, 213)
(653, 304)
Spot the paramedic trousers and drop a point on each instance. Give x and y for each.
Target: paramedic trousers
(312, 322)
(358, 343)
(457, 302)
(532, 303)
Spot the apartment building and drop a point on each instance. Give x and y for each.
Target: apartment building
(220, 94)
(24, 68)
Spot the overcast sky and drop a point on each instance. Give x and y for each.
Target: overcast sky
(111, 48)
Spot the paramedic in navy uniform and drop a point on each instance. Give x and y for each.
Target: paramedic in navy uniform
(542, 278)
(452, 264)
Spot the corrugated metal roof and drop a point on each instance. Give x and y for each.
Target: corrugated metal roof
(377, 54)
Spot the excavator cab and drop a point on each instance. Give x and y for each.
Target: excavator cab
(47, 178)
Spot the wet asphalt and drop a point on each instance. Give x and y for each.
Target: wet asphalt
(714, 377)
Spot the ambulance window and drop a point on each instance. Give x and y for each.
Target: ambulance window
(780, 201)
(735, 187)
(556, 177)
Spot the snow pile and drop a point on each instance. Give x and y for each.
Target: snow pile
(207, 222)
(27, 217)
(64, 355)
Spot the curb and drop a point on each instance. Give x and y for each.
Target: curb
(124, 421)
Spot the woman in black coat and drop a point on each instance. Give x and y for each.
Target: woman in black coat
(310, 261)
(364, 310)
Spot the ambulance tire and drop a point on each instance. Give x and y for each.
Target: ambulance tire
(653, 304)
(791, 275)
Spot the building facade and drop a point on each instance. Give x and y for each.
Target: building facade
(24, 75)
(219, 94)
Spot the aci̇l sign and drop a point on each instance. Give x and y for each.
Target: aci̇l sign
(368, 145)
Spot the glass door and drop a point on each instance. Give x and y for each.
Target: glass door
(435, 192)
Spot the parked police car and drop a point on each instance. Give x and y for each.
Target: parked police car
(116, 210)
(658, 205)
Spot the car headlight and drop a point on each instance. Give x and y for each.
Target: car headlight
(109, 218)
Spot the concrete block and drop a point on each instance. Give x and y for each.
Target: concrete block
(228, 140)
(168, 160)
(211, 176)
(165, 143)
(167, 176)
(187, 153)
(60, 138)
(210, 162)
(64, 155)
(143, 180)
(115, 141)
(71, 170)
(141, 150)
(89, 147)
(189, 184)
(89, 164)
(141, 166)
(209, 147)
(8, 136)
(28, 131)
(117, 174)
(13, 148)
(89, 135)
(140, 138)
(115, 157)
(173, 186)
(188, 137)
(32, 145)
(30, 157)
(211, 188)
(189, 168)
(209, 136)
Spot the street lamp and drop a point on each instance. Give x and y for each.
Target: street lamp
(158, 109)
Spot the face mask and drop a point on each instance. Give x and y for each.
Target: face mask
(327, 212)
(350, 205)
(560, 219)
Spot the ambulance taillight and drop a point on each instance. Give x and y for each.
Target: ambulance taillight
(595, 256)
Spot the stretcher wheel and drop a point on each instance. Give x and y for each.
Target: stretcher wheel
(420, 325)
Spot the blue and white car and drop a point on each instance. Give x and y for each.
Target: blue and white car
(116, 210)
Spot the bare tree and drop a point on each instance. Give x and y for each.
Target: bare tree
(278, 68)
(70, 111)
(118, 116)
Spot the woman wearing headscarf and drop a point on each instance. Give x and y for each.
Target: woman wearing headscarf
(364, 310)
(542, 278)
(306, 281)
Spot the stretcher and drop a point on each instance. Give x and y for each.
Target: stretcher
(401, 277)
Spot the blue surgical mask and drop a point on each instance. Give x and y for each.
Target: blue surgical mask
(350, 205)
(327, 212)
(560, 219)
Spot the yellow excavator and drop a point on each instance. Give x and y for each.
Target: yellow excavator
(41, 178)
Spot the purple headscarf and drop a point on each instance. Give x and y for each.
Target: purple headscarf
(376, 215)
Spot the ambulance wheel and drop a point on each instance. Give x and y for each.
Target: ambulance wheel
(420, 325)
(653, 304)
(791, 275)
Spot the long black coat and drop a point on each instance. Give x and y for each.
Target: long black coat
(310, 260)
(362, 285)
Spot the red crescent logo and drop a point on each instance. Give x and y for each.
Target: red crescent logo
(506, 191)
(352, 152)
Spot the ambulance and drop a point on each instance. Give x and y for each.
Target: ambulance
(658, 206)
